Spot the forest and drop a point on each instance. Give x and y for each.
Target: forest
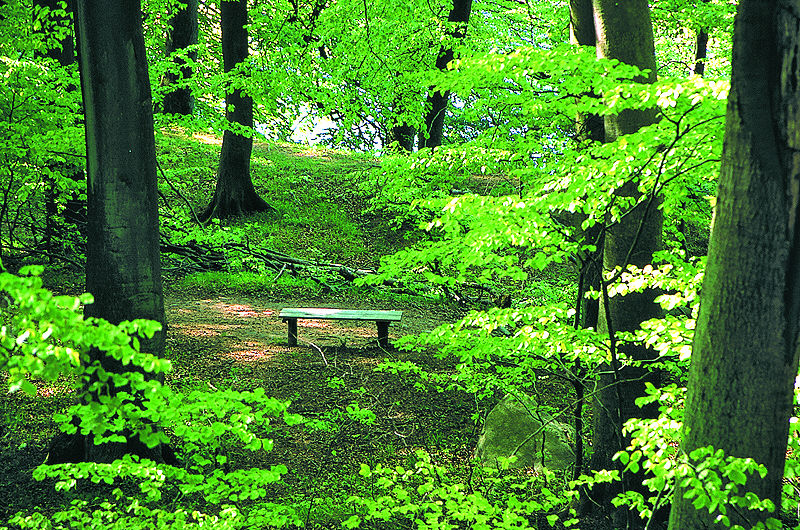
(433, 264)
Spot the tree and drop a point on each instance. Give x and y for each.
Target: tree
(745, 352)
(582, 33)
(625, 32)
(123, 267)
(235, 194)
(54, 20)
(437, 100)
(589, 127)
(183, 34)
(401, 134)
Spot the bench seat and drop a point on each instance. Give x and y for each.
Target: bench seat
(291, 315)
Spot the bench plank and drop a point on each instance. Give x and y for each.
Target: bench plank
(290, 315)
(339, 314)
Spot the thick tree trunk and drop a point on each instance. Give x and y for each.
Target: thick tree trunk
(183, 34)
(432, 136)
(745, 354)
(625, 32)
(235, 194)
(123, 267)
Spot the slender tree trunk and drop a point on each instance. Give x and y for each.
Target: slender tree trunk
(582, 33)
(403, 136)
(745, 354)
(235, 194)
(123, 267)
(437, 100)
(625, 32)
(64, 52)
(700, 51)
(589, 127)
(183, 34)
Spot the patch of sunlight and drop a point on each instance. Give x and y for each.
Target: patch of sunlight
(207, 139)
(239, 310)
(202, 330)
(52, 390)
(250, 355)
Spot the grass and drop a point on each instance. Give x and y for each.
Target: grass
(314, 192)
(249, 283)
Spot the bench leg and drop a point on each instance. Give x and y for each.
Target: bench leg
(292, 331)
(383, 334)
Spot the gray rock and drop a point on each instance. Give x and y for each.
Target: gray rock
(514, 427)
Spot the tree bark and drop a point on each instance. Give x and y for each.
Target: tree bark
(625, 32)
(123, 267)
(234, 194)
(403, 136)
(183, 34)
(437, 100)
(700, 51)
(589, 127)
(64, 52)
(745, 352)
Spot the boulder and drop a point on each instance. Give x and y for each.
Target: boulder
(509, 430)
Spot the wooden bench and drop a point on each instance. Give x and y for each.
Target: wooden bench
(291, 315)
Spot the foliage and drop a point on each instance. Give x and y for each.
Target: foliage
(518, 194)
(43, 135)
(426, 497)
(46, 337)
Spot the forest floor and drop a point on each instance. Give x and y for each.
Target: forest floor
(223, 334)
(238, 342)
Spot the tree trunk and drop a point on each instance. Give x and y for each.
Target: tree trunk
(625, 32)
(589, 127)
(123, 267)
(64, 52)
(402, 136)
(581, 33)
(437, 101)
(183, 34)
(745, 352)
(700, 51)
(235, 194)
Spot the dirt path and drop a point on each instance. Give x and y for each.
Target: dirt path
(236, 339)
(236, 342)
(249, 329)
(229, 341)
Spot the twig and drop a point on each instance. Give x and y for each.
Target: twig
(319, 350)
(176, 190)
(280, 272)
